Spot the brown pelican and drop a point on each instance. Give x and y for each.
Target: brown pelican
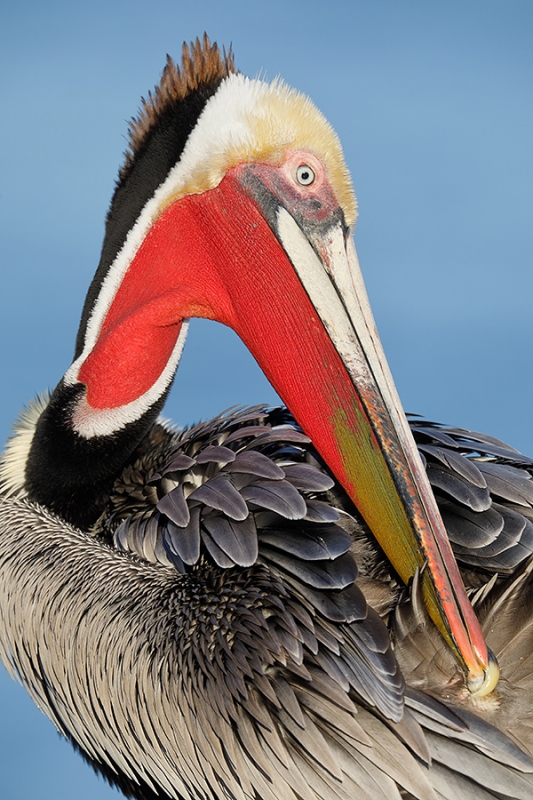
(185, 605)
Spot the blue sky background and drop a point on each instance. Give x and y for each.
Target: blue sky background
(434, 105)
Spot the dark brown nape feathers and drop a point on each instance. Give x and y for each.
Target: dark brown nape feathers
(202, 64)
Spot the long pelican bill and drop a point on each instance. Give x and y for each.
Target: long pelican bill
(288, 282)
(380, 457)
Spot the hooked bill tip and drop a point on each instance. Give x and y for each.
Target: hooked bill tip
(481, 685)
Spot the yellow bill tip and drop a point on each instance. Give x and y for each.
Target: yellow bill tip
(482, 684)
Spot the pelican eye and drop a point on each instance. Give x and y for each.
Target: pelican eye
(305, 175)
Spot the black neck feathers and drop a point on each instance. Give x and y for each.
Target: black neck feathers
(71, 475)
